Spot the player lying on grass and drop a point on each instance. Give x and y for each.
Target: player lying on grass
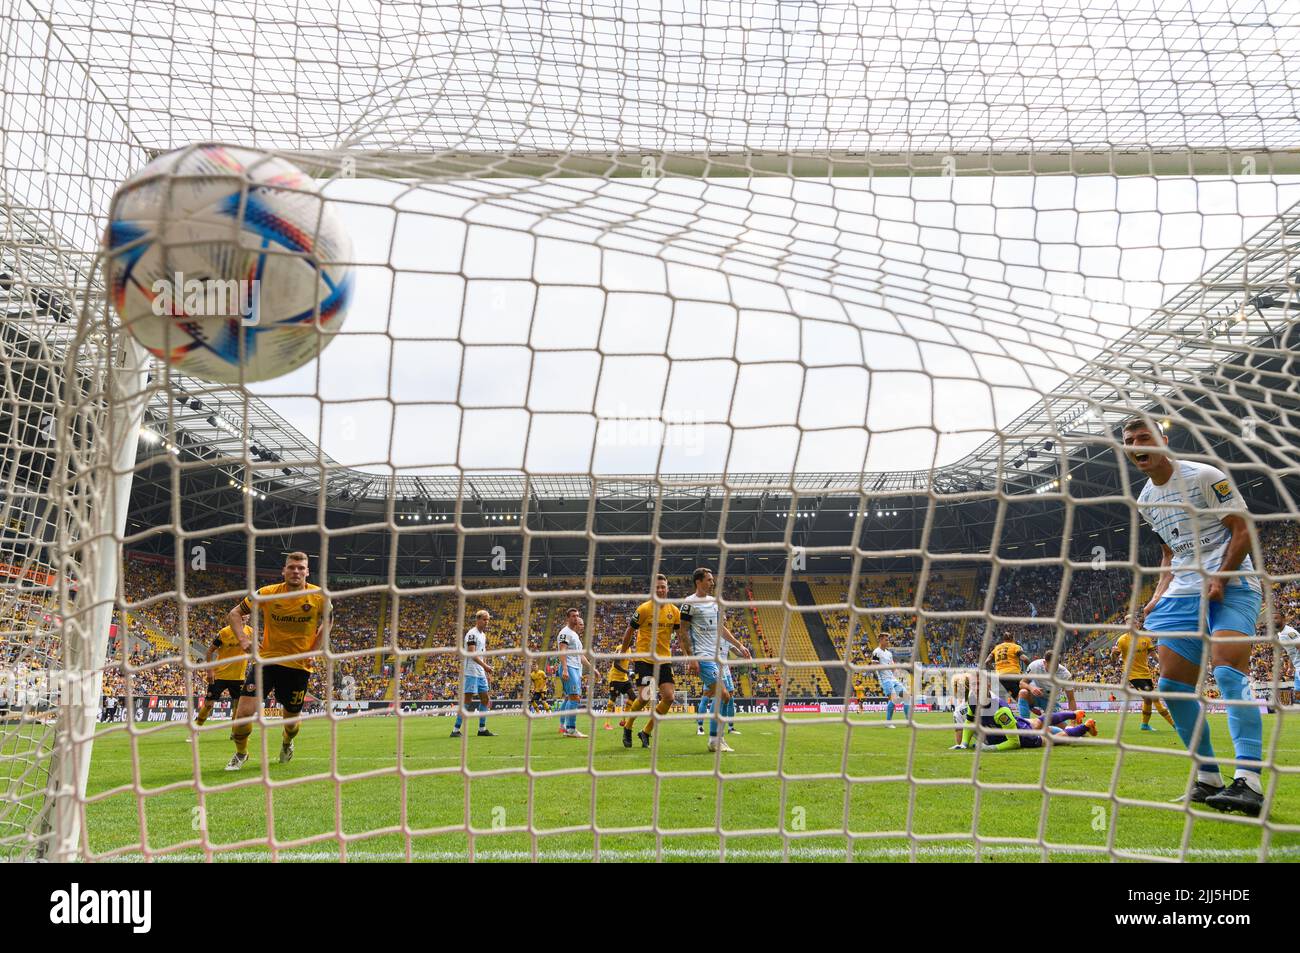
(996, 717)
(1008, 724)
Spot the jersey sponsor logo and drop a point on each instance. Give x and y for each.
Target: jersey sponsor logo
(290, 619)
(1223, 490)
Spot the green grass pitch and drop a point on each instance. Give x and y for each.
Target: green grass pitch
(422, 814)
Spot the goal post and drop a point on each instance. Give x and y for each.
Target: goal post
(91, 556)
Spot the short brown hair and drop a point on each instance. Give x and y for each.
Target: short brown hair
(699, 573)
(573, 610)
(661, 576)
(1141, 423)
(296, 557)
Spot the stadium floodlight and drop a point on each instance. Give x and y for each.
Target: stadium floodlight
(701, 254)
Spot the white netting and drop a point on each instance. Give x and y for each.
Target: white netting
(762, 256)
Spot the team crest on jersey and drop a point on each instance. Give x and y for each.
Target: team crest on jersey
(1223, 490)
(306, 607)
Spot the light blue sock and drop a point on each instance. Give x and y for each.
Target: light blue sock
(729, 711)
(889, 710)
(1025, 710)
(565, 720)
(702, 707)
(1245, 726)
(907, 710)
(1185, 712)
(458, 719)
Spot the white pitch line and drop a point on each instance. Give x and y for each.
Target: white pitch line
(928, 851)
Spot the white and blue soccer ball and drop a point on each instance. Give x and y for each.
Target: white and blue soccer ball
(226, 263)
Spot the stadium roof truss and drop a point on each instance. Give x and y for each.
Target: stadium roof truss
(1243, 308)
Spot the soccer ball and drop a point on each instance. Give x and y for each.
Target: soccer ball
(225, 263)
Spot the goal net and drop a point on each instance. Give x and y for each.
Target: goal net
(843, 303)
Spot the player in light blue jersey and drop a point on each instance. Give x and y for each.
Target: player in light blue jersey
(890, 683)
(474, 685)
(1199, 518)
(700, 611)
(1041, 689)
(1289, 639)
(572, 661)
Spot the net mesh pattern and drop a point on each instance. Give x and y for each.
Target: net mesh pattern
(642, 289)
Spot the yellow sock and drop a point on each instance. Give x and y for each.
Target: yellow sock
(240, 737)
(661, 709)
(290, 732)
(635, 706)
(204, 712)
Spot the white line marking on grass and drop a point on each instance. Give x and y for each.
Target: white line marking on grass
(927, 852)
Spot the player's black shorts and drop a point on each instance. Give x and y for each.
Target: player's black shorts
(652, 673)
(538, 697)
(1010, 685)
(288, 685)
(233, 685)
(620, 688)
(1142, 684)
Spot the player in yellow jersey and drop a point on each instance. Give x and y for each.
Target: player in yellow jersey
(537, 703)
(295, 625)
(1009, 662)
(227, 678)
(620, 690)
(1135, 654)
(652, 629)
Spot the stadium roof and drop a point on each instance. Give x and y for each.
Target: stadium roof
(1237, 311)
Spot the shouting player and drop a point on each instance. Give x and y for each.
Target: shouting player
(295, 624)
(700, 613)
(475, 683)
(227, 678)
(652, 629)
(1196, 513)
(1136, 654)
